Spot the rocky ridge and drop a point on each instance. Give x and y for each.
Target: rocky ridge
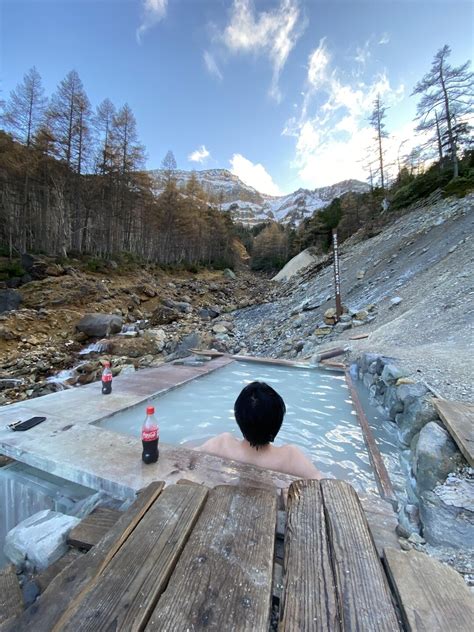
(248, 206)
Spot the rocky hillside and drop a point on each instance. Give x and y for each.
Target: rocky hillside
(408, 290)
(139, 318)
(248, 206)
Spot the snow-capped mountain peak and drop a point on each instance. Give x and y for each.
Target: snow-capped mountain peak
(248, 206)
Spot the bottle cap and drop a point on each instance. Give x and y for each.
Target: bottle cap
(107, 364)
(150, 410)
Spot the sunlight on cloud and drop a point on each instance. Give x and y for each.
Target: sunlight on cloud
(211, 65)
(152, 12)
(255, 175)
(199, 155)
(318, 63)
(273, 33)
(332, 132)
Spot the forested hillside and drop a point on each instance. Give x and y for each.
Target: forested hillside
(72, 182)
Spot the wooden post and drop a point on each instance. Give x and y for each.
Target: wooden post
(337, 280)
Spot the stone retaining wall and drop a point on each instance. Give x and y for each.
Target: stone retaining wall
(439, 483)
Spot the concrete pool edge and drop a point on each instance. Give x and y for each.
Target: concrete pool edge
(74, 418)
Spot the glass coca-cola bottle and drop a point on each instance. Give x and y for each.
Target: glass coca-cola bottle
(150, 437)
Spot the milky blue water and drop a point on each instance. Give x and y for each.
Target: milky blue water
(320, 418)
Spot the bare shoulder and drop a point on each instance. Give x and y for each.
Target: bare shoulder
(215, 445)
(301, 464)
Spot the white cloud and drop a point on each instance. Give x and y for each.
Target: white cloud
(199, 155)
(152, 12)
(318, 64)
(255, 175)
(272, 33)
(363, 53)
(331, 129)
(211, 65)
(384, 39)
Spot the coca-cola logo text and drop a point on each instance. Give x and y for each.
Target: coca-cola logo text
(150, 435)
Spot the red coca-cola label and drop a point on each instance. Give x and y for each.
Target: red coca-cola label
(107, 378)
(149, 434)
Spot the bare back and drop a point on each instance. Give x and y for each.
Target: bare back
(288, 459)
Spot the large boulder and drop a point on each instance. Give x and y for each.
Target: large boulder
(148, 344)
(436, 455)
(295, 265)
(191, 341)
(447, 512)
(416, 414)
(9, 300)
(100, 325)
(41, 538)
(164, 315)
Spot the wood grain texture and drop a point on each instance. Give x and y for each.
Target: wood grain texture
(458, 418)
(223, 580)
(432, 596)
(67, 587)
(93, 528)
(11, 599)
(43, 579)
(365, 602)
(124, 595)
(382, 521)
(309, 600)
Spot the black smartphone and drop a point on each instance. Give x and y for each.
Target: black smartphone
(27, 424)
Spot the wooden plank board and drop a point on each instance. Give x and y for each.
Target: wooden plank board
(382, 521)
(432, 596)
(72, 582)
(93, 528)
(359, 337)
(11, 599)
(458, 418)
(365, 602)
(43, 579)
(309, 599)
(382, 477)
(223, 580)
(127, 591)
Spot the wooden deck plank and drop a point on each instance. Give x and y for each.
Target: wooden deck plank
(382, 521)
(365, 602)
(458, 417)
(45, 614)
(432, 596)
(93, 528)
(11, 599)
(43, 579)
(223, 580)
(309, 591)
(128, 589)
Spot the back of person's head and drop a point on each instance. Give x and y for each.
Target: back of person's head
(259, 411)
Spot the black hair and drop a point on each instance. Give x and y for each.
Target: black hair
(259, 412)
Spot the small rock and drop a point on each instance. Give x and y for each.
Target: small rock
(330, 316)
(396, 300)
(404, 544)
(229, 274)
(415, 538)
(360, 274)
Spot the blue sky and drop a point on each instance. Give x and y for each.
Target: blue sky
(278, 91)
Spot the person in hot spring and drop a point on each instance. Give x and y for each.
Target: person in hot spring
(259, 412)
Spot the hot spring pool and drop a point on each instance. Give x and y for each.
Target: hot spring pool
(320, 418)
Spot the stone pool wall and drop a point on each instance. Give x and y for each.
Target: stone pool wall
(439, 482)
